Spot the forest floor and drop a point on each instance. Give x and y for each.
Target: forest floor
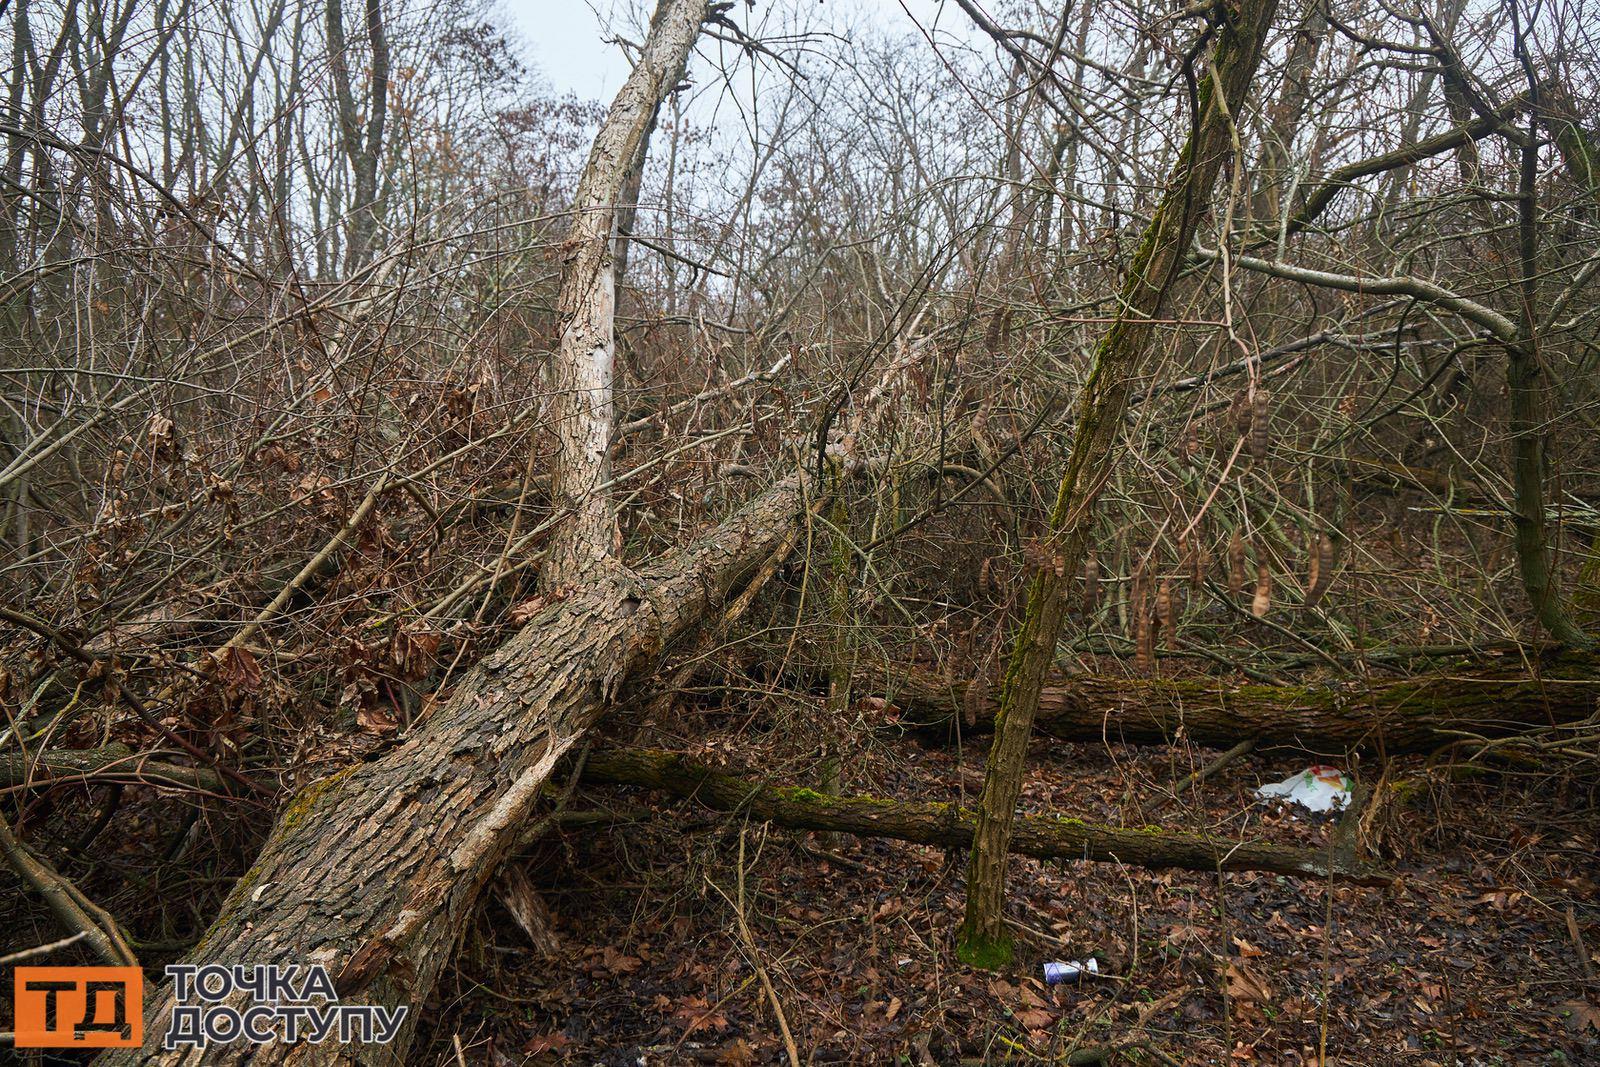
(1473, 956)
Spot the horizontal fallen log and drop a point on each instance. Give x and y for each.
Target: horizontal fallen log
(1043, 837)
(114, 763)
(1421, 713)
(949, 826)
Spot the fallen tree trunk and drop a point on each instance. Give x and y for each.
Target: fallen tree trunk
(1039, 836)
(1043, 837)
(373, 871)
(1415, 714)
(114, 763)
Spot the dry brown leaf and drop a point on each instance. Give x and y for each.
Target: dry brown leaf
(542, 1043)
(619, 963)
(1580, 1015)
(521, 613)
(376, 720)
(1035, 1018)
(737, 1053)
(1245, 984)
(1245, 948)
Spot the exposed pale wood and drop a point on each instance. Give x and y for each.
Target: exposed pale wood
(374, 871)
(587, 304)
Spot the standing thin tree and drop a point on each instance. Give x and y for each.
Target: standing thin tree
(363, 142)
(1239, 33)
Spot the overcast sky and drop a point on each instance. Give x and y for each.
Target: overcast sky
(564, 36)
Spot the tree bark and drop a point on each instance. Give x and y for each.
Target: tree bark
(948, 826)
(1287, 112)
(1526, 376)
(1414, 714)
(373, 871)
(586, 307)
(985, 939)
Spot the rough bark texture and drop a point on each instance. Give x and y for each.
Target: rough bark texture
(1039, 836)
(1415, 714)
(373, 871)
(587, 305)
(985, 938)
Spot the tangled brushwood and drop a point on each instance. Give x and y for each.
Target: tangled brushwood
(745, 571)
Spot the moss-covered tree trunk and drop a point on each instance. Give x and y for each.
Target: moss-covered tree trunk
(984, 938)
(1526, 383)
(1039, 836)
(1419, 713)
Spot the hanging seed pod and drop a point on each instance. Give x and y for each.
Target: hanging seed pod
(975, 698)
(1313, 563)
(1322, 571)
(1240, 411)
(1191, 444)
(991, 337)
(1260, 427)
(1137, 594)
(1199, 563)
(1238, 578)
(1166, 613)
(1144, 644)
(1262, 603)
(1091, 584)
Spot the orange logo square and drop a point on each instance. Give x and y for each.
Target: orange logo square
(79, 1007)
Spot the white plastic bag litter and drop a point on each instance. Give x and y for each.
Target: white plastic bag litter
(1318, 788)
(1057, 972)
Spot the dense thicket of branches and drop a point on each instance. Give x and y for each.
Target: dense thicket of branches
(281, 318)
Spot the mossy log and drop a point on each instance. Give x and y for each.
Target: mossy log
(112, 763)
(949, 826)
(1415, 714)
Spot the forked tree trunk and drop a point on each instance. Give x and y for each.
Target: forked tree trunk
(985, 939)
(585, 359)
(374, 871)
